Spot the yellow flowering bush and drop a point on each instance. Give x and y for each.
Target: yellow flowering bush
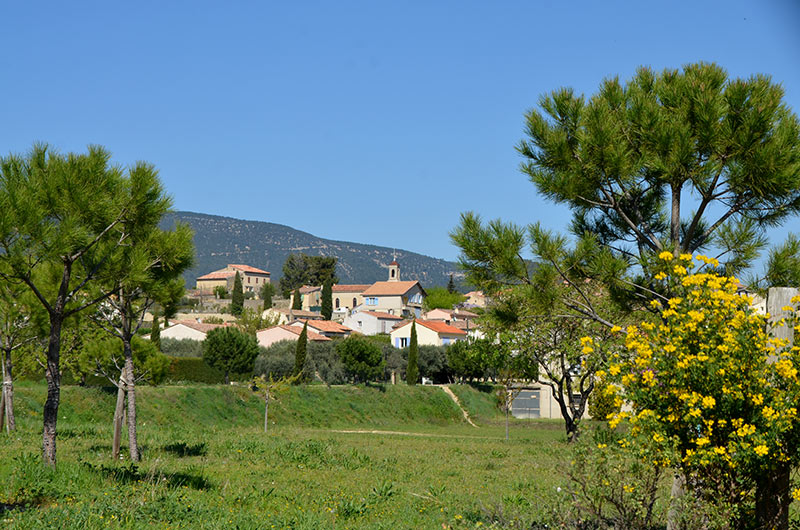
(710, 392)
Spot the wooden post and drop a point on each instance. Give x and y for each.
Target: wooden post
(777, 299)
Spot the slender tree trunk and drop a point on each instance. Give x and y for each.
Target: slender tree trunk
(227, 378)
(118, 413)
(773, 498)
(676, 494)
(8, 394)
(675, 221)
(508, 406)
(266, 409)
(53, 376)
(133, 445)
(2, 409)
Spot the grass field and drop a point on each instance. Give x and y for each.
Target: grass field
(208, 464)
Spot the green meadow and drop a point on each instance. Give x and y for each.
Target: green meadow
(413, 461)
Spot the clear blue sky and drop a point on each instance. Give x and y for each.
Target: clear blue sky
(374, 122)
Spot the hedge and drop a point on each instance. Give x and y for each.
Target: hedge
(194, 370)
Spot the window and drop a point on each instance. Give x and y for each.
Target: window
(337, 303)
(354, 302)
(445, 341)
(402, 342)
(372, 300)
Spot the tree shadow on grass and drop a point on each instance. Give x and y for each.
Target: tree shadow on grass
(182, 449)
(129, 473)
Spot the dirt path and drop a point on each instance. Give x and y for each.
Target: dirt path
(419, 434)
(455, 398)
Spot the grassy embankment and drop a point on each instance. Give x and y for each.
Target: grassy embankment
(207, 462)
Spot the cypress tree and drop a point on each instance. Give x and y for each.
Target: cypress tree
(237, 296)
(451, 285)
(327, 300)
(155, 332)
(297, 302)
(300, 352)
(412, 371)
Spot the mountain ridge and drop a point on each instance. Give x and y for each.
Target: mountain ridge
(220, 240)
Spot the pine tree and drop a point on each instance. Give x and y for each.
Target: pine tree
(237, 296)
(297, 302)
(300, 353)
(327, 300)
(155, 332)
(412, 371)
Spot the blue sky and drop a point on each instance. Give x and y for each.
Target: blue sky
(373, 122)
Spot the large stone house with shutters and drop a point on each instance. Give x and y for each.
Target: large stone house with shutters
(252, 279)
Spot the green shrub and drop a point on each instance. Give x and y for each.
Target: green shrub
(181, 347)
(195, 370)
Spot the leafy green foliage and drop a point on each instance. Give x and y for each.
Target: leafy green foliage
(251, 321)
(276, 361)
(104, 353)
(327, 300)
(412, 369)
(155, 332)
(302, 269)
(230, 350)
(300, 352)
(440, 297)
(297, 300)
(182, 347)
(362, 359)
(266, 293)
(196, 370)
(237, 296)
(220, 292)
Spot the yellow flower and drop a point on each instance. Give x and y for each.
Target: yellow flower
(614, 369)
(679, 269)
(666, 255)
(761, 450)
(616, 329)
(686, 257)
(758, 399)
(719, 450)
(796, 494)
(658, 438)
(586, 340)
(709, 402)
(660, 276)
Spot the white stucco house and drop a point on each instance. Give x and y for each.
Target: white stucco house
(269, 336)
(372, 322)
(188, 329)
(429, 332)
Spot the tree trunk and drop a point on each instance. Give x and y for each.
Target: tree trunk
(133, 445)
(675, 221)
(676, 494)
(53, 376)
(508, 410)
(773, 498)
(266, 409)
(118, 413)
(227, 378)
(8, 393)
(2, 409)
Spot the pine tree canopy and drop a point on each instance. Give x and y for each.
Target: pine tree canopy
(627, 159)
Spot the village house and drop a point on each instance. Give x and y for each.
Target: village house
(450, 316)
(372, 322)
(326, 328)
(343, 297)
(286, 316)
(429, 333)
(394, 296)
(252, 279)
(475, 299)
(189, 329)
(267, 337)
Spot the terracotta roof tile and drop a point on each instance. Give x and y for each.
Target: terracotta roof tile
(197, 326)
(390, 288)
(217, 275)
(328, 326)
(380, 314)
(352, 288)
(309, 289)
(297, 331)
(438, 326)
(247, 268)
